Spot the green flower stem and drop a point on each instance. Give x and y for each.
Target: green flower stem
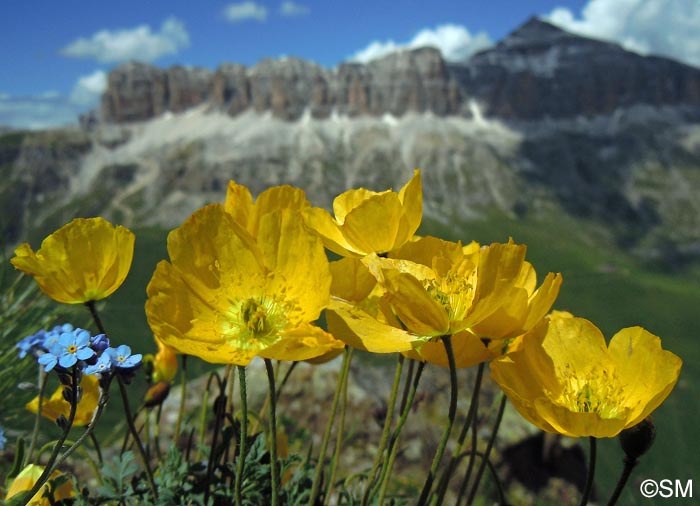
(244, 435)
(51, 464)
(316, 484)
(95, 316)
(393, 444)
(344, 374)
(274, 469)
(492, 470)
(451, 414)
(459, 449)
(591, 471)
(407, 384)
(489, 447)
(137, 438)
(203, 422)
(183, 397)
(219, 414)
(96, 444)
(372, 477)
(630, 464)
(43, 378)
(287, 374)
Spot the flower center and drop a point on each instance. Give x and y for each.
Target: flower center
(254, 323)
(596, 392)
(72, 348)
(454, 291)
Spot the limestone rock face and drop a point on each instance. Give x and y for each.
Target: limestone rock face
(188, 87)
(135, 92)
(286, 87)
(538, 71)
(231, 88)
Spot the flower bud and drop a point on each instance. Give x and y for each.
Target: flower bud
(156, 394)
(637, 440)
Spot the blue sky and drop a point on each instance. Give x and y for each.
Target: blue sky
(56, 54)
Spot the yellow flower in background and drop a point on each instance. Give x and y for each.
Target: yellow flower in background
(356, 313)
(56, 405)
(227, 298)
(85, 260)
(427, 289)
(239, 203)
(164, 363)
(26, 479)
(565, 379)
(521, 308)
(370, 222)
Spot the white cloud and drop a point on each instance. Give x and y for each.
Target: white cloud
(293, 9)
(244, 11)
(45, 110)
(138, 43)
(52, 109)
(89, 88)
(454, 42)
(664, 27)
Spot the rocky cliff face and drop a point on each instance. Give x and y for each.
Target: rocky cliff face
(538, 71)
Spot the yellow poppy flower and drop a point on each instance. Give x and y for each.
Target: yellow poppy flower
(26, 479)
(520, 309)
(56, 405)
(85, 260)
(370, 222)
(226, 298)
(239, 203)
(565, 379)
(428, 288)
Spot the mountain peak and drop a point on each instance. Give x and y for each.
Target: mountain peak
(535, 32)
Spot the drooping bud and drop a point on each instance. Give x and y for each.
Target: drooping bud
(637, 440)
(156, 394)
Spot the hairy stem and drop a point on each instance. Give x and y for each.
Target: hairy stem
(487, 453)
(238, 486)
(372, 477)
(274, 469)
(451, 414)
(591, 471)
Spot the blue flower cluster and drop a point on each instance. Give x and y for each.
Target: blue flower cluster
(3, 439)
(65, 346)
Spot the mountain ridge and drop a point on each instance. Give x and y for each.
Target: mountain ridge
(538, 71)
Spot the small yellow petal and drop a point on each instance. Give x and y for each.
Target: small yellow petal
(305, 342)
(360, 330)
(372, 227)
(351, 279)
(416, 309)
(239, 204)
(411, 197)
(331, 234)
(347, 201)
